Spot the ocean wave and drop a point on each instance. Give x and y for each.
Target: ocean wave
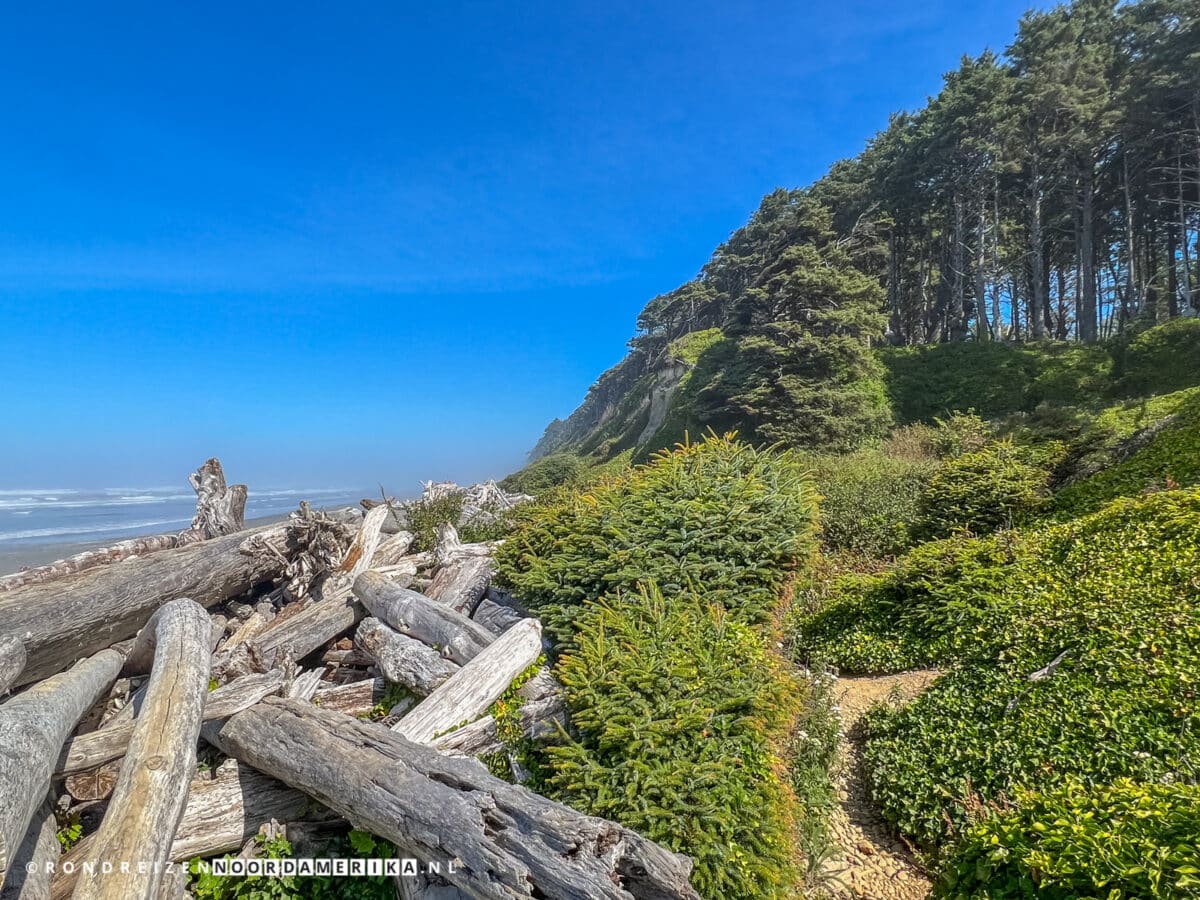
(66, 531)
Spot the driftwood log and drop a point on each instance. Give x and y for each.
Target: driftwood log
(221, 814)
(392, 549)
(494, 617)
(353, 699)
(29, 874)
(110, 742)
(89, 559)
(220, 509)
(461, 584)
(33, 726)
(509, 842)
(152, 790)
(417, 616)
(468, 693)
(12, 661)
(65, 620)
(403, 660)
(543, 715)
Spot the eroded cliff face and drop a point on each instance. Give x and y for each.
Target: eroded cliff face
(623, 409)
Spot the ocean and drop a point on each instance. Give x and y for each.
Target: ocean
(40, 526)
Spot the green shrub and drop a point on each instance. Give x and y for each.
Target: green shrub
(675, 704)
(1000, 486)
(932, 381)
(869, 501)
(1134, 448)
(1162, 359)
(1110, 597)
(1124, 840)
(661, 585)
(717, 518)
(545, 473)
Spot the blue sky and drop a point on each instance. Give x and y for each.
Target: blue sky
(340, 244)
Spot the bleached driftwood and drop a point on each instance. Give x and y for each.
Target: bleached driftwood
(450, 548)
(461, 584)
(353, 699)
(543, 711)
(403, 660)
(12, 660)
(33, 726)
(494, 617)
(29, 874)
(221, 814)
(220, 508)
(392, 549)
(110, 742)
(417, 616)
(468, 693)
(152, 790)
(509, 841)
(89, 559)
(361, 550)
(65, 620)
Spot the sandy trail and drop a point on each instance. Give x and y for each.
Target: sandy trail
(873, 864)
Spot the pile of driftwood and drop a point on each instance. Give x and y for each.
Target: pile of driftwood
(268, 652)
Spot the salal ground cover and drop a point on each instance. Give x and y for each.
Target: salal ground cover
(1048, 560)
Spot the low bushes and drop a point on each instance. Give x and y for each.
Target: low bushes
(543, 474)
(661, 587)
(1162, 359)
(999, 486)
(1118, 841)
(1107, 602)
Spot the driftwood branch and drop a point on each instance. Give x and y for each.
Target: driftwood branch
(151, 792)
(29, 874)
(33, 726)
(509, 842)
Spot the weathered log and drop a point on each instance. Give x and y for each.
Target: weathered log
(152, 790)
(403, 660)
(12, 660)
(468, 693)
(29, 874)
(508, 841)
(391, 550)
(110, 742)
(65, 620)
(361, 550)
(416, 615)
(543, 714)
(33, 726)
(89, 559)
(461, 584)
(494, 617)
(450, 548)
(221, 814)
(220, 509)
(354, 699)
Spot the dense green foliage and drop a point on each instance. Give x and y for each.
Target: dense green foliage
(1114, 592)
(998, 486)
(1124, 841)
(543, 474)
(1162, 359)
(661, 586)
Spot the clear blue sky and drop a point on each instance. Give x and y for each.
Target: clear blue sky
(345, 243)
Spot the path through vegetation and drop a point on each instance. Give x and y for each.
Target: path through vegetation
(873, 864)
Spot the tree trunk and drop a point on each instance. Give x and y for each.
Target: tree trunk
(403, 660)
(89, 559)
(33, 726)
(1038, 304)
(65, 620)
(462, 584)
(420, 617)
(353, 699)
(150, 795)
(983, 327)
(469, 692)
(112, 741)
(1087, 312)
(1185, 253)
(509, 842)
